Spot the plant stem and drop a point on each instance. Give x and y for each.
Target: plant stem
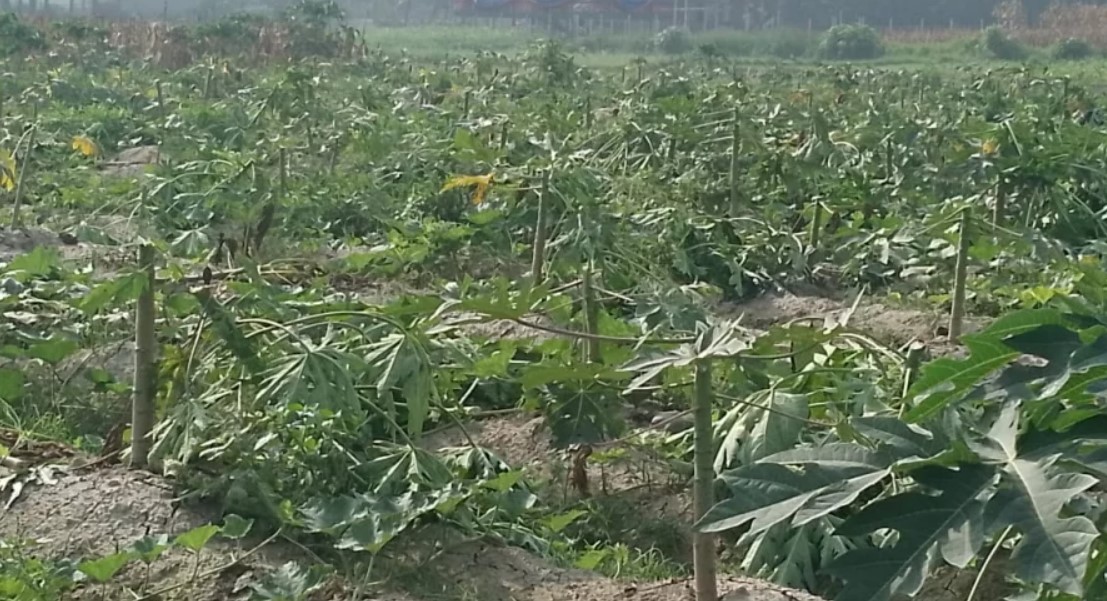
(889, 168)
(735, 152)
(703, 544)
(538, 260)
(957, 314)
(816, 227)
(269, 211)
(591, 315)
(142, 404)
(17, 220)
(987, 562)
(1000, 207)
(912, 364)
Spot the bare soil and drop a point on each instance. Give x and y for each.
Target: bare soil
(96, 512)
(893, 326)
(482, 571)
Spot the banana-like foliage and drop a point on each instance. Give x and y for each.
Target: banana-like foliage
(1008, 439)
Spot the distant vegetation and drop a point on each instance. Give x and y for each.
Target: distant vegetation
(349, 252)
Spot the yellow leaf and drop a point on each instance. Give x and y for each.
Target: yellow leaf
(479, 183)
(7, 170)
(85, 146)
(989, 147)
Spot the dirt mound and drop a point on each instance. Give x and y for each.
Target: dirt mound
(93, 513)
(644, 499)
(15, 242)
(894, 326)
(131, 162)
(480, 570)
(97, 512)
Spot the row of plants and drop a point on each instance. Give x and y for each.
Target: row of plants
(619, 209)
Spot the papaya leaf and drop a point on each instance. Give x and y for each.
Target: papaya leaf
(582, 414)
(228, 331)
(906, 439)
(837, 455)
(1037, 444)
(113, 291)
(43, 261)
(767, 494)
(779, 427)
(1051, 342)
(949, 525)
(1053, 549)
(1019, 322)
(54, 350)
(948, 380)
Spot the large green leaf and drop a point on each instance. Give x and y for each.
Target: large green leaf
(113, 291)
(402, 363)
(908, 440)
(768, 494)
(835, 454)
(948, 380)
(721, 341)
(43, 261)
(949, 525)
(1020, 322)
(225, 326)
(1037, 444)
(1053, 549)
(786, 556)
(578, 413)
(779, 428)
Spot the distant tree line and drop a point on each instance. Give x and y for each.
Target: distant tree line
(898, 13)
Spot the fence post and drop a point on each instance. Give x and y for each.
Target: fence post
(145, 385)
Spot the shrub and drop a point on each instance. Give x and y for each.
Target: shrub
(673, 40)
(851, 42)
(17, 37)
(780, 43)
(997, 44)
(1072, 49)
(791, 43)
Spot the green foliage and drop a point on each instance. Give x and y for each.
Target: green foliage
(17, 37)
(995, 43)
(1072, 49)
(1007, 474)
(851, 42)
(306, 387)
(26, 575)
(673, 40)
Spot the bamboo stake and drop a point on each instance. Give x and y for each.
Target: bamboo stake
(145, 385)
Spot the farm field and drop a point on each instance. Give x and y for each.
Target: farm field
(533, 325)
